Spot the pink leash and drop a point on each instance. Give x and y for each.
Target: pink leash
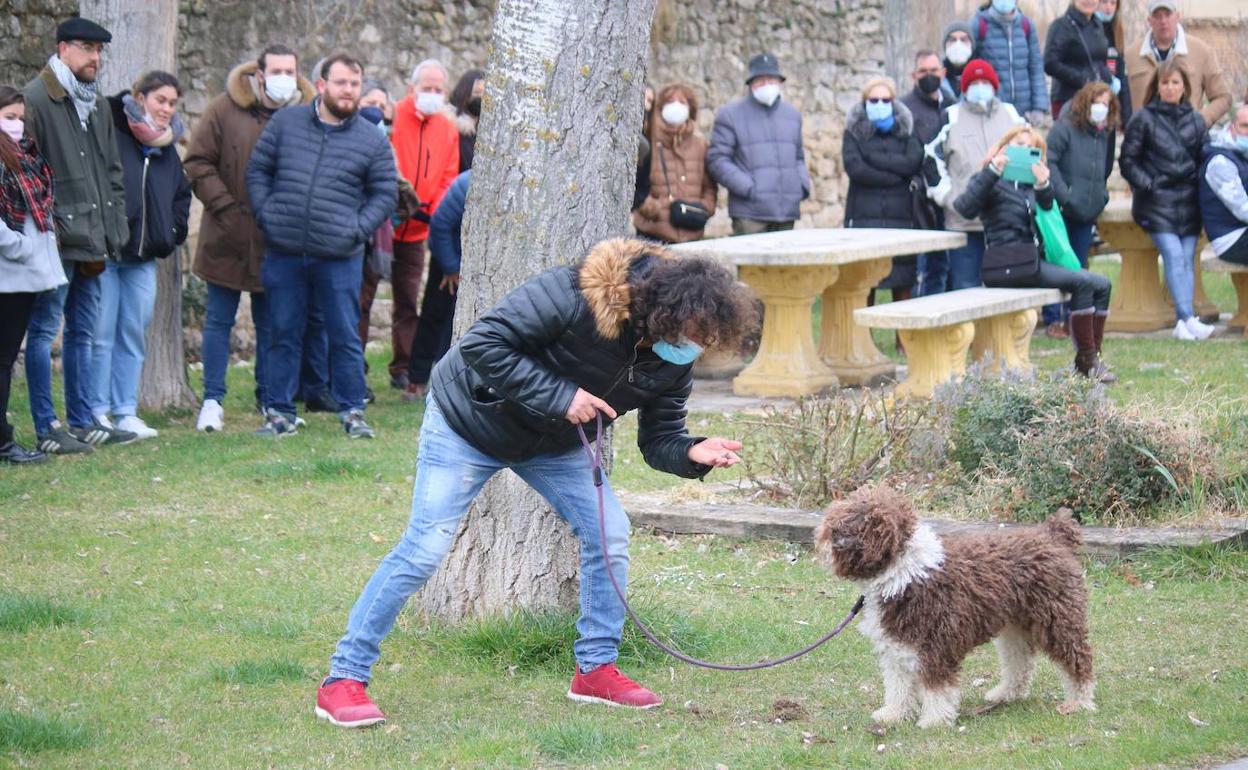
(595, 461)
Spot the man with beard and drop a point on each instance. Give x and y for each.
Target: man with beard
(72, 125)
(321, 181)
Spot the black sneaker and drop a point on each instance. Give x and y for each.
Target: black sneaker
(399, 382)
(355, 426)
(320, 403)
(276, 425)
(14, 453)
(59, 441)
(100, 433)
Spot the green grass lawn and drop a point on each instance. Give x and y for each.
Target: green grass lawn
(174, 602)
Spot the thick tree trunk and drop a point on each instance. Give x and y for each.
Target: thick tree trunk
(144, 38)
(552, 176)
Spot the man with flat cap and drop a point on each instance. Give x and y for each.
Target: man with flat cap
(756, 152)
(73, 126)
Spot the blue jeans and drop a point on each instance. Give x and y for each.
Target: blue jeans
(966, 264)
(78, 303)
(218, 322)
(449, 474)
(1177, 253)
(1080, 236)
(314, 367)
(127, 299)
(933, 273)
(289, 282)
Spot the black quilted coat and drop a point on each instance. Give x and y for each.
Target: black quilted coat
(1161, 160)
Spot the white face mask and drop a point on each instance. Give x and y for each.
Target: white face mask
(675, 113)
(279, 88)
(429, 103)
(958, 53)
(1099, 113)
(14, 128)
(768, 94)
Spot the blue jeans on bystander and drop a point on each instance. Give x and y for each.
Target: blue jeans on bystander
(77, 303)
(966, 264)
(218, 323)
(1177, 254)
(127, 299)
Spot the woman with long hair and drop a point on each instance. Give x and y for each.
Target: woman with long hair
(1007, 209)
(466, 99)
(30, 263)
(158, 205)
(1161, 157)
(681, 192)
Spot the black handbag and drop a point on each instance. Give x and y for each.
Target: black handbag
(685, 215)
(1010, 264)
(923, 209)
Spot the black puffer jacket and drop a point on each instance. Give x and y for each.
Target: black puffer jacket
(1005, 208)
(880, 167)
(1075, 54)
(507, 384)
(1160, 160)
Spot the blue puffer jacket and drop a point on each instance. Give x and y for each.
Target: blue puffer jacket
(756, 152)
(447, 224)
(1012, 47)
(320, 190)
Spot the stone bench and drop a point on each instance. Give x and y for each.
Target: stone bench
(1239, 279)
(938, 330)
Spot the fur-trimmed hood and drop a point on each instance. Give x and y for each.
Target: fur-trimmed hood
(863, 128)
(240, 84)
(466, 124)
(603, 279)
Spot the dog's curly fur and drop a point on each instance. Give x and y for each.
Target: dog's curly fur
(929, 602)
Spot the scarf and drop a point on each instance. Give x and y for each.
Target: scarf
(26, 191)
(83, 94)
(142, 128)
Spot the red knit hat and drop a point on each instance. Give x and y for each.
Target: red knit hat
(978, 69)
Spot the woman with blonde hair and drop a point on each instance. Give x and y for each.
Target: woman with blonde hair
(682, 192)
(1014, 253)
(882, 156)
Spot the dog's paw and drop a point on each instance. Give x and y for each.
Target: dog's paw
(1070, 707)
(888, 715)
(1001, 694)
(928, 721)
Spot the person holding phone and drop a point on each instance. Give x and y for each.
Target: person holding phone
(1161, 158)
(1014, 254)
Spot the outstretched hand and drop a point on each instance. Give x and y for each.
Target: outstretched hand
(716, 452)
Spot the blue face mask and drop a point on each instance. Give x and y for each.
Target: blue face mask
(879, 111)
(683, 353)
(373, 115)
(1103, 17)
(1241, 143)
(980, 93)
(1004, 7)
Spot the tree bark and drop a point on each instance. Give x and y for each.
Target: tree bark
(553, 175)
(145, 38)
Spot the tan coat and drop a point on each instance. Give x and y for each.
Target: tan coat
(1202, 68)
(230, 248)
(685, 156)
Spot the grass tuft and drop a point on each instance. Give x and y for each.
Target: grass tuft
(266, 671)
(33, 732)
(1206, 562)
(581, 741)
(20, 613)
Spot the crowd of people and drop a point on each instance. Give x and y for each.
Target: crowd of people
(94, 194)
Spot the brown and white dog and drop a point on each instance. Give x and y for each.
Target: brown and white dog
(929, 602)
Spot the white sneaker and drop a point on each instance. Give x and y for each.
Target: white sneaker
(134, 424)
(102, 419)
(1182, 332)
(1199, 329)
(211, 417)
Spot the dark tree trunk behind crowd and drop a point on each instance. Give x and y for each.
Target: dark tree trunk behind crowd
(553, 175)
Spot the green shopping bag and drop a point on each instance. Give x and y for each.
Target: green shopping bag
(1057, 248)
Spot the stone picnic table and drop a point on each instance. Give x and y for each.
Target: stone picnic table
(788, 270)
(1140, 302)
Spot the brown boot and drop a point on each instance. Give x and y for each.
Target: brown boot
(1100, 371)
(1083, 336)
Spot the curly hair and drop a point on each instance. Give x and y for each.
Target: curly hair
(1083, 99)
(694, 297)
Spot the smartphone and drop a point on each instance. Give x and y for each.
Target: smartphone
(1018, 163)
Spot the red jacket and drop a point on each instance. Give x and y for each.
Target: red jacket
(427, 149)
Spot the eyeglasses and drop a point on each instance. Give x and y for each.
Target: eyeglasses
(89, 47)
(885, 100)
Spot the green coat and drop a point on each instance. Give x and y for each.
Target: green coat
(89, 194)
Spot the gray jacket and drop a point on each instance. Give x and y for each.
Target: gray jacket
(958, 152)
(29, 261)
(756, 152)
(1077, 159)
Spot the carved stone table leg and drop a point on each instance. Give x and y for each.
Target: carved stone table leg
(847, 347)
(1005, 340)
(1138, 303)
(787, 364)
(936, 356)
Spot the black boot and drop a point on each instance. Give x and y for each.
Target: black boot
(1083, 336)
(1100, 371)
(15, 453)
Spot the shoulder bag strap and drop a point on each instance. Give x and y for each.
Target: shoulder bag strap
(666, 181)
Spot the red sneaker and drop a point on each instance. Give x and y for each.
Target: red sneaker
(606, 684)
(346, 704)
